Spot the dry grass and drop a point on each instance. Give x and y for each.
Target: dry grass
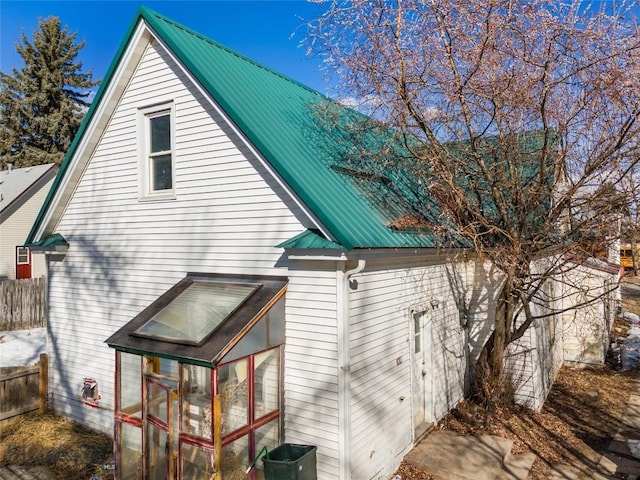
(71, 451)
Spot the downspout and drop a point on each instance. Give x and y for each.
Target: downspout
(344, 360)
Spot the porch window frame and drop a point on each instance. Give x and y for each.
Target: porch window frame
(217, 442)
(240, 338)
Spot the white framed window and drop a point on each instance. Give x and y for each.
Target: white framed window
(157, 158)
(22, 256)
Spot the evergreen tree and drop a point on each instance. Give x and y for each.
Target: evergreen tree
(43, 103)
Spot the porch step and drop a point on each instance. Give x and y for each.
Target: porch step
(516, 467)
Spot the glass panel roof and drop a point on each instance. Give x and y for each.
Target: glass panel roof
(193, 315)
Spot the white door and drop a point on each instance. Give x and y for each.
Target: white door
(422, 372)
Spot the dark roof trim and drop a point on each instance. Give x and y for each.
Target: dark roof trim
(222, 338)
(29, 188)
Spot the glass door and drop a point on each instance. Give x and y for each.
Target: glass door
(422, 373)
(158, 451)
(160, 420)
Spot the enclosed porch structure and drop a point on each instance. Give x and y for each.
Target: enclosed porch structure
(198, 380)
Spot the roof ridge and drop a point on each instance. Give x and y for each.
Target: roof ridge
(282, 128)
(148, 11)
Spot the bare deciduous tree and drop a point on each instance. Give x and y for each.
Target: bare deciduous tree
(518, 120)
(631, 219)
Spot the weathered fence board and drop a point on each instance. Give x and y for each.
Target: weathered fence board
(23, 389)
(22, 304)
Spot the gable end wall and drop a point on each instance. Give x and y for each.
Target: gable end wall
(124, 253)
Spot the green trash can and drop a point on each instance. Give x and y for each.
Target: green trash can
(291, 462)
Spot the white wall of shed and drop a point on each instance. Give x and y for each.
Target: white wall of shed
(535, 359)
(586, 329)
(381, 356)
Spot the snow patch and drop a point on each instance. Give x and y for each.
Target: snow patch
(634, 446)
(632, 317)
(631, 349)
(22, 347)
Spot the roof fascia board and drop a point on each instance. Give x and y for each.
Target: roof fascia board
(383, 254)
(239, 131)
(88, 135)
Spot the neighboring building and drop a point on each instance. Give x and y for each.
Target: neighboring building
(586, 331)
(253, 288)
(22, 193)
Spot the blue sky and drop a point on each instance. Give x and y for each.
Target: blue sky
(267, 31)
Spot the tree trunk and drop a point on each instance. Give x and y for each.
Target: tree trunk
(491, 383)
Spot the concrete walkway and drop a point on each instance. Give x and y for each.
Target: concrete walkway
(449, 456)
(624, 450)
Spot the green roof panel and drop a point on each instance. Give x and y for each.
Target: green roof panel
(277, 115)
(308, 240)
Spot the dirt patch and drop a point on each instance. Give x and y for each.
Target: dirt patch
(73, 452)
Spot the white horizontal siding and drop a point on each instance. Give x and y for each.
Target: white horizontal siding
(311, 367)
(537, 357)
(585, 329)
(227, 216)
(381, 361)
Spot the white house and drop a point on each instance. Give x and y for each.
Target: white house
(220, 281)
(22, 193)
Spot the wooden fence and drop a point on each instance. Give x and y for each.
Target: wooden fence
(22, 304)
(23, 389)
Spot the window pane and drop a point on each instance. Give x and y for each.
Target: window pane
(267, 383)
(267, 436)
(196, 312)
(196, 401)
(23, 255)
(157, 401)
(234, 398)
(129, 452)
(197, 462)
(235, 459)
(156, 455)
(161, 172)
(254, 341)
(160, 133)
(164, 367)
(130, 378)
(268, 332)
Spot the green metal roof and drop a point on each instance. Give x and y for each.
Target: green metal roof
(49, 242)
(278, 117)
